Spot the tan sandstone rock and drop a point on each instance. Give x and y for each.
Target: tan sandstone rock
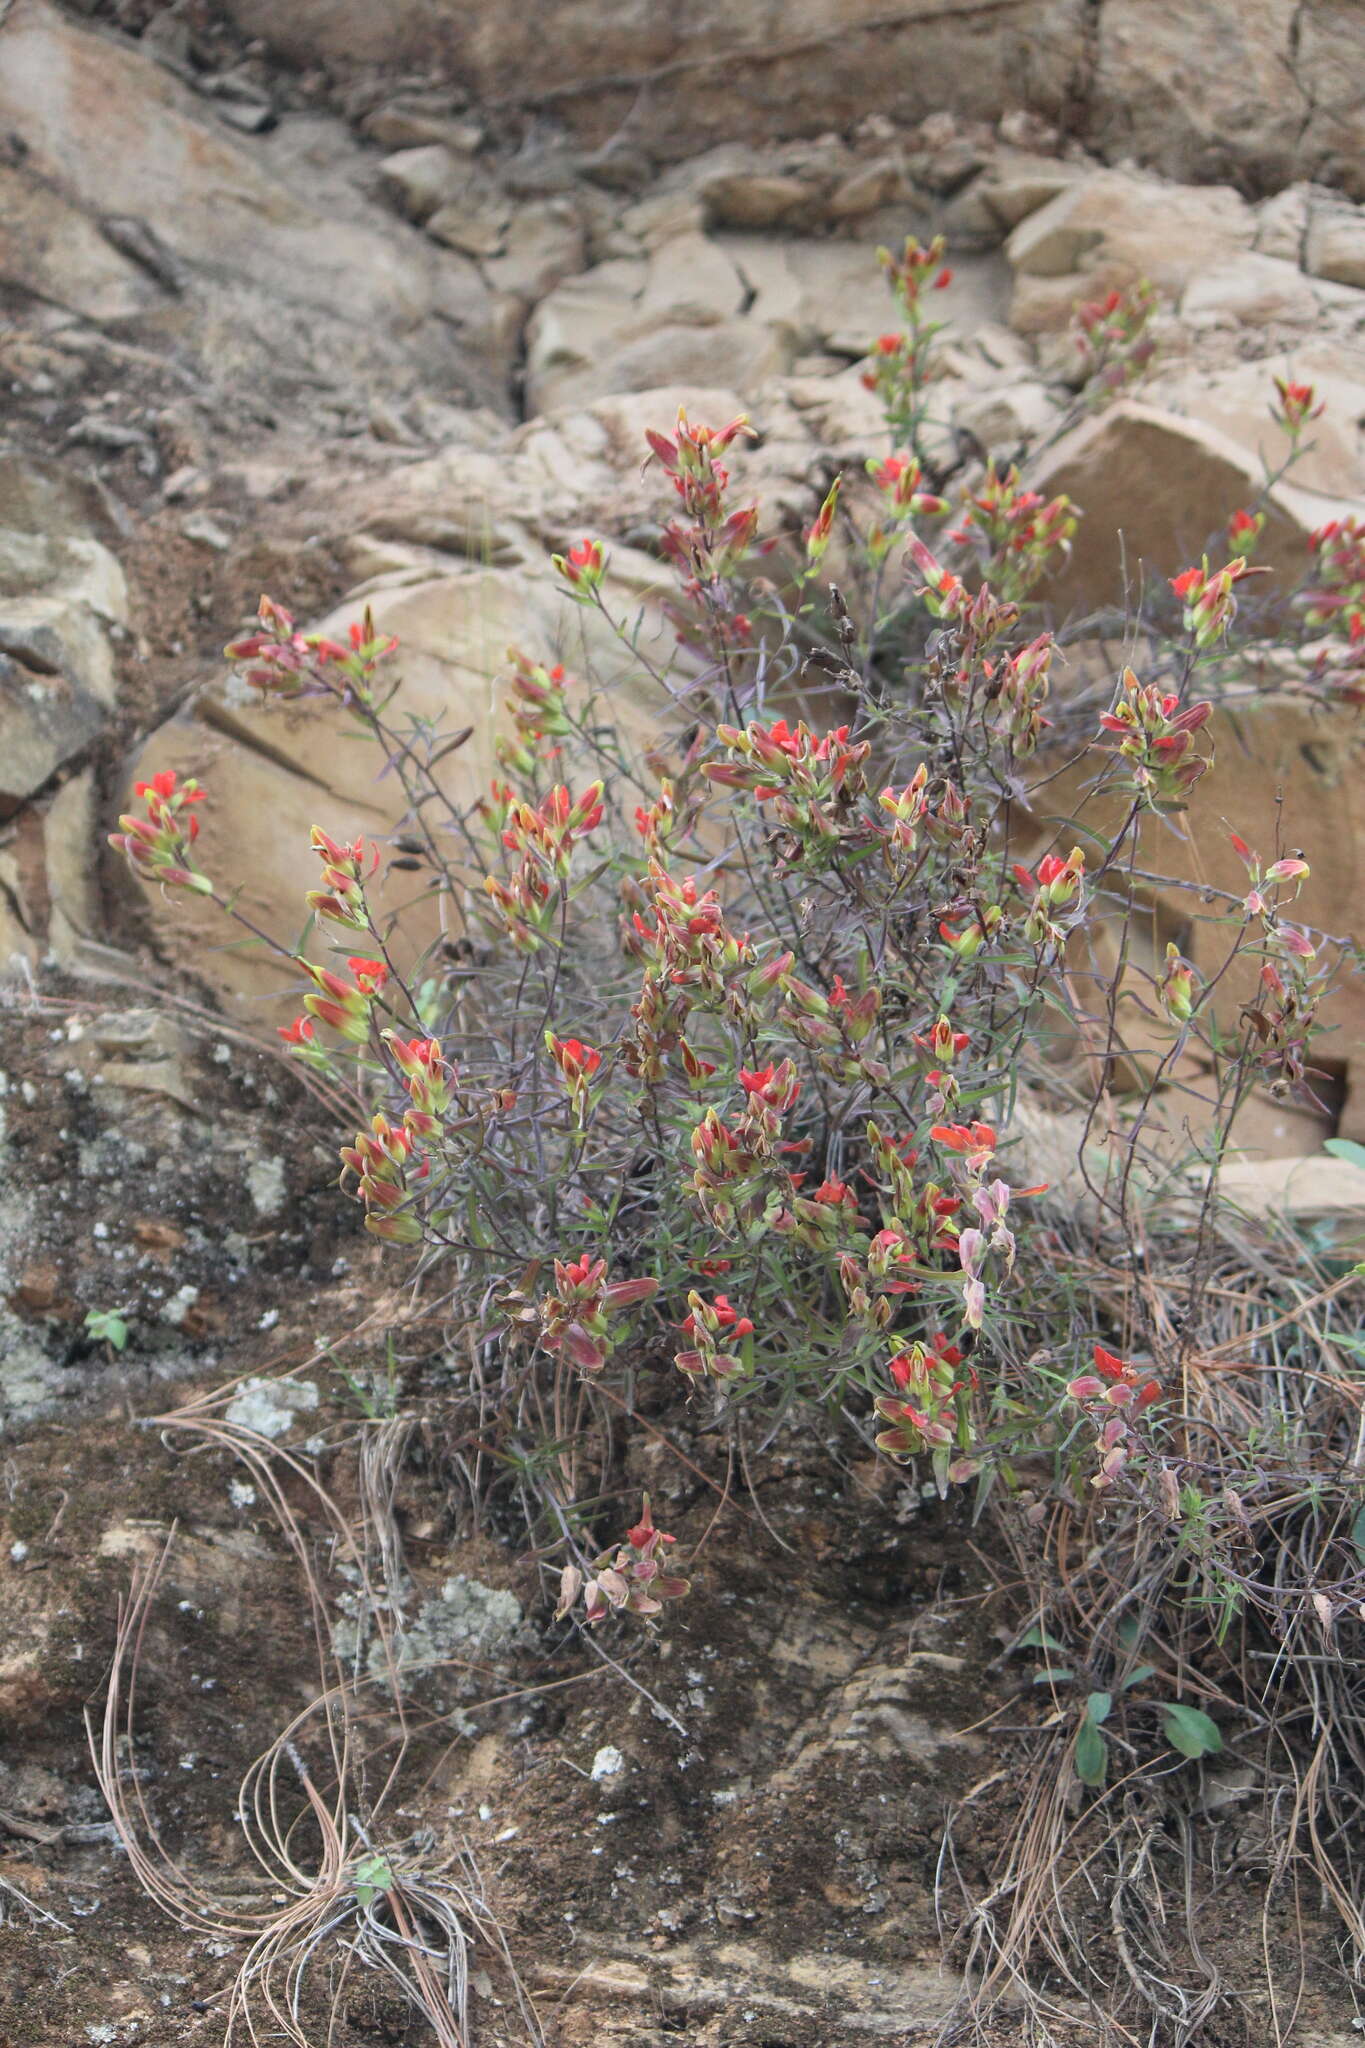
(296, 765)
(1157, 489)
(1113, 228)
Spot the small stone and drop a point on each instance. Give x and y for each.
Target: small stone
(1335, 247)
(475, 223)
(423, 179)
(269, 1407)
(608, 1763)
(206, 530)
(185, 482)
(251, 117)
(177, 1309)
(37, 1287)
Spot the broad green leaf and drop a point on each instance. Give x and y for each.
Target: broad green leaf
(1097, 1706)
(1190, 1730)
(1129, 1630)
(1053, 1677)
(1345, 1148)
(1092, 1754)
(1136, 1676)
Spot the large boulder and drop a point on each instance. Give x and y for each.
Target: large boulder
(1219, 91)
(1112, 229)
(711, 72)
(63, 599)
(111, 153)
(1335, 244)
(1204, 92)
(274, 770)
(1286, 776)
(1156, 489)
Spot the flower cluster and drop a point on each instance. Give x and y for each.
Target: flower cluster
(738, 1182)
(1209, 606)
(1282, 1014)
(1335, 597)
(1111, 1394)
(928, 1411)
(1114, 340)
(900, 483)
(1016, 689)
(583, 568)
(692, 960)
(345, 871)
(1178, 988)
(1243, 532)
(978, 619)
(387, 1159)
(811, 783)
(279, 661)
(544, 837)
(1294, 408)
(344, 1005)
(712, 1328)
(1018, 535)
(900, 365)
(380, 1160)
(538, 704)
(573, 1320)
(157, 846)
(1055, 889)
(711, 545)
(577, 1063)
(630, 1580)
(1156, 742)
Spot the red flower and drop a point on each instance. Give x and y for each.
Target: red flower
(1119, 1373)
(975, 1141)
(1186, 581)
(370, 974)
(727, 1318)
(777, 1086)
(585, 1056)
(297, 1033)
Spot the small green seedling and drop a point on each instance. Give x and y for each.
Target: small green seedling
(371, 1876)
(107, 1326)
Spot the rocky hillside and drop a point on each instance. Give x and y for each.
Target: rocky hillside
(373, 306)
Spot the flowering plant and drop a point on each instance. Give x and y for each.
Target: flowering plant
(761, 1006)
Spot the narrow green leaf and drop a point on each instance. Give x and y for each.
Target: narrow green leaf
(1053, 1677)
(1037, 1638)
(1190, 1730)
(1345, 1148)
(1136, 1676)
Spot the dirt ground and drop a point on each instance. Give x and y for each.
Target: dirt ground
(730, 1832)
